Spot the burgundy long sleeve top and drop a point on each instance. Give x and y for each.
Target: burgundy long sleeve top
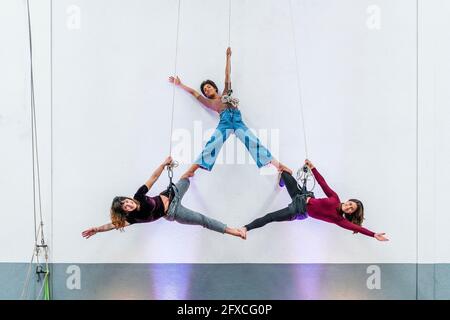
(327, 209)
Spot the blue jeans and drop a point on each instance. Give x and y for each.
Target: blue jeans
(231, 121)
(183, 215)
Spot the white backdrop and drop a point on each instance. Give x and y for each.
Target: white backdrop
(16, 194)
(434, 132)
(111, 125)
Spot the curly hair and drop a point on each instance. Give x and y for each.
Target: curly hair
(211, 83)
(118, 215)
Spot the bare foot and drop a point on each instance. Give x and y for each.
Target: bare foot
(243, 232)
(191, 171)
(187, 174)
(284, 168)
(234, 232)
(280, 167)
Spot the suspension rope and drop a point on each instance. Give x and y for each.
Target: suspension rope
(45, 283)
(230, 90)
(175, 75)
(37, 198)
(34, 138)
(32, 118)
(27, 279)
(299, 91)
(229, 23)
(304, 174)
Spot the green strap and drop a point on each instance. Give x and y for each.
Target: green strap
(47, 286)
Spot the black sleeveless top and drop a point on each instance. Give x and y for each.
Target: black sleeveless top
(151, 208)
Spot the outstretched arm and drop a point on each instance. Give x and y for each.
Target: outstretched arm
(104, 228)
(227, 72)
(323, 184)
(344, 223)
(205, 101)
(157, 173)
(176, 81)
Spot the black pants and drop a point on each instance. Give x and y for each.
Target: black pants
(298, 205)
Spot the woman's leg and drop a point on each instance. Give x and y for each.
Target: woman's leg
(182, 186)
(280, 167)
(290, 183)
(286, 214)
(212, 148)
(259, 152)
(186, 216)
(190, 172)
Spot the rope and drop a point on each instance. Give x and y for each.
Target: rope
(37, 198)
(27, 280)
(170, 167)
(43, 286)
(45, 282)
(304, 174)
(32, 117)
(35, 253)
(175, 74)
(229, 23)
(34, 138)
(230, 90)
(299, 91)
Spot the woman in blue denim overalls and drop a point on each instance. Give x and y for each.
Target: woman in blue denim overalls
(230, 121)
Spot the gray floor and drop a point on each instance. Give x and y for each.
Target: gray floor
(234, 281)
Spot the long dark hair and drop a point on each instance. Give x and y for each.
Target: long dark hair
(211, 83)
(118, 215)
(356, 217)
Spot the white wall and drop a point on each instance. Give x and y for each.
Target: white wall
(111, 125)
(17, 236)
(434, 133)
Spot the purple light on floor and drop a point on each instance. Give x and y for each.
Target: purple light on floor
(170, 281)
(308, 278)
(325, 281)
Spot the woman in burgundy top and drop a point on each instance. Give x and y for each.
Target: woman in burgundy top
(126, 211)
(348, 215)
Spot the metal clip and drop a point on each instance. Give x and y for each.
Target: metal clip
(304, 174)
(170, 167)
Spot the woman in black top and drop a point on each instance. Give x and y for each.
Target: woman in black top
(126, 211)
